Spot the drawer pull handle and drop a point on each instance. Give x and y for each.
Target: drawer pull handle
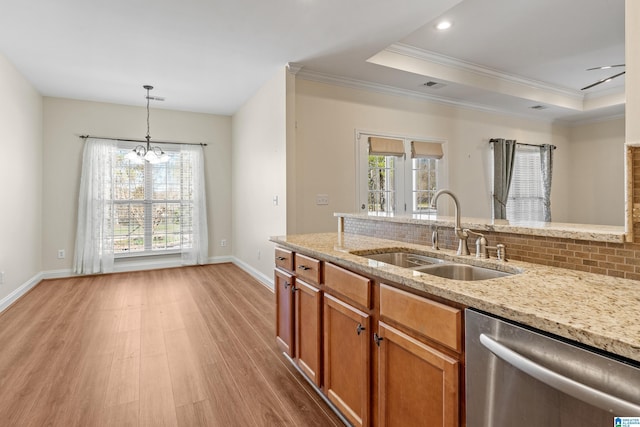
(377, 338)
(286, 285)
(294, 289)
(304, 267)
(280, 258)
(360, 328)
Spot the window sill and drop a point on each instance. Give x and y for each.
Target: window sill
(146, 254)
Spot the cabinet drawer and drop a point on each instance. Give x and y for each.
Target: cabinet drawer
(307, 268)
(353, 286)
(284, 259)
(429, 318)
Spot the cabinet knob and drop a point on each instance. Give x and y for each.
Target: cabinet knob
(293, 289)
(360, 328)
(377, 338)
(286, 285)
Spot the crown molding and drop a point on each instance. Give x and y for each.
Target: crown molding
(294, 68)
(352, 83)
(447, 61)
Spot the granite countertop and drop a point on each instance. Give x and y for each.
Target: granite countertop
(590, 232)
(596, 310)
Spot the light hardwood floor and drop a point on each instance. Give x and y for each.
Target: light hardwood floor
(189, 346)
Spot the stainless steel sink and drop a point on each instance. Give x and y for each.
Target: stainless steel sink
(434, 266)
(403, 259)
(462, 272)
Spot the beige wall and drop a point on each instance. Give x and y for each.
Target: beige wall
(632, 76)
(328, 115)
(65, 120)
(259, 174)
(20, 179)
(597, 173)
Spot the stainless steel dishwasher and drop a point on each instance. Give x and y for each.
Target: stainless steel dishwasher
(516, 376)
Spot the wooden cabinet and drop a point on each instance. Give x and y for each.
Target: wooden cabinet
(299, 311)
(417, 385)
(431, 319)
(381, 355)
(308, 330)
(347, 359)
(284, 285)
(308, 268)
(284, 259)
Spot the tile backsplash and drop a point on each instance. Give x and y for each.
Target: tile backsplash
(611, 259)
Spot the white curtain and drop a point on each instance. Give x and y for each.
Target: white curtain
(94, 235)
(96, 210)
(198, 251)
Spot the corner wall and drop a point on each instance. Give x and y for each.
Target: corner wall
(66, 119)
(259, 168)
(20, 182)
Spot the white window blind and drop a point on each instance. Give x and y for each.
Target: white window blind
(525, 202)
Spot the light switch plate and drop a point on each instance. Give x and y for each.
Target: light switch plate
(322, 199)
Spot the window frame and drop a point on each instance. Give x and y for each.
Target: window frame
(404, 174)
(148, 203)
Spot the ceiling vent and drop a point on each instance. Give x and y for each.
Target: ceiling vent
(539, 107)
(433, 85)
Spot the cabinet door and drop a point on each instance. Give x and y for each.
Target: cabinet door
(347, 359)
(284, 284)
(308, 336)
(418, 385)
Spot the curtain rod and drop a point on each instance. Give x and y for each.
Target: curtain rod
(491, 141)
(144, 141)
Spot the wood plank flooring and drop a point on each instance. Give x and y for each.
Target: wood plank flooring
(189, 346)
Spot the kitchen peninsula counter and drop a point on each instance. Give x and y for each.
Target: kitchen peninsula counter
(592, 309)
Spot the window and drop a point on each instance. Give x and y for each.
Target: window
(424, 183)
(526, 194)
(127, 208)
(153, 204)
(382, 183)
(401, 175)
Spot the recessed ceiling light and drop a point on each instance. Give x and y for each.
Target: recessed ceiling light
(443, 25)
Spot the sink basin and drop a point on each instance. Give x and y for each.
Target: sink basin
(462, 272)
(404, 259)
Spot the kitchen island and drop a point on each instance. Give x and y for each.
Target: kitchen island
(595, 310)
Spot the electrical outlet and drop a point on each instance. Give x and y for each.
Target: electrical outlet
(61, 254)
(322, 199)
(1, 277)
(258, 253)
(223, 242)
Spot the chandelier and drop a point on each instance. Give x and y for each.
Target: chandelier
(150, 154)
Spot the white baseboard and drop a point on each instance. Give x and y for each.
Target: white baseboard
(21, 290)
(259, 276)
(128, 266)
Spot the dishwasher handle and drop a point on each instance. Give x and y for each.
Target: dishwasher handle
(592, 396)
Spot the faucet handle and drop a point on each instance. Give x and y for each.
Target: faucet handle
(501, 252)
(482, 250)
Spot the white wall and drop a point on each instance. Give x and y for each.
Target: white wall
(327, 116)
(65, 120)
(259, 174)
(20, 179)
(597, 172)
